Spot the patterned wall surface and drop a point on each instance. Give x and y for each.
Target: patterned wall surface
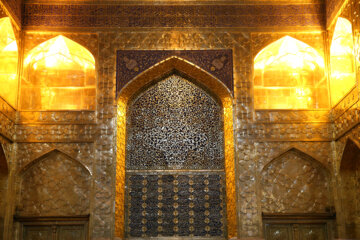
(174, 125)
(247, 150)
(346, 126)
(91, 15)
(158, 71)
(7, 121)
(239, 42)
(28, 152)
(184, 204)
(295, 183)
(64, 191)
(350, 173)
(131, 63)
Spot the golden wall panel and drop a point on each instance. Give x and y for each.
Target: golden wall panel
(122, 15)
(8, 62)
(58, 74)
(267, 151)
(81, 152)
(313, 39)
(289, 74)
(7, 110)
(342, 61)
(65, 187)
(56, 117)
(292, 116)
(103, 157)
(347, 120)
(87, 40)
(294, 182)
(286, 131)
(56, 133)
(304, 90)
(343, 205)
(7, 127)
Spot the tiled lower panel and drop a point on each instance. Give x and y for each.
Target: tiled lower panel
(175, 204)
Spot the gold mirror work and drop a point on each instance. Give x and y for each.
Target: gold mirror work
(289, 74)
(342, 64)
(8, 62)
(59, 74)
(208, 82)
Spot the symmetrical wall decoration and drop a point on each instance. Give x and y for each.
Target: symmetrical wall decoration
(174, 125)
(188, 204)
(202, 78)
(105, 16)
(65, 187)
(130, 63)
(295, 183)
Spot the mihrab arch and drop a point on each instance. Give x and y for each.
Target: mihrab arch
(169, 72)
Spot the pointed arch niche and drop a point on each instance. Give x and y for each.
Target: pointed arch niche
(289, 74)
(59, 74)
(295, 182)
(343, 74)
(350, 193)
(4, 173)
(65, 187)
(165, 70)
(8, 62)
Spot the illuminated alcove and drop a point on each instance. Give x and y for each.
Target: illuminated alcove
(59, 74)
(289, 74)
(343, 77)
(8, 62)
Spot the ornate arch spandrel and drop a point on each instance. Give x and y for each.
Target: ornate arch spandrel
(204, 79)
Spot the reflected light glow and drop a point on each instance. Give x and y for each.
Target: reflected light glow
(289, 74)
(59, 74)
(342, 64)
(8, 62)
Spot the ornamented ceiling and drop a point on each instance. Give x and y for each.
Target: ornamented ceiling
(311, 14)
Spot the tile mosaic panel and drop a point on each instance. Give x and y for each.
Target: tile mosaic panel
(190, 204)
(174, 125)
(130, 63)
(120, 15)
